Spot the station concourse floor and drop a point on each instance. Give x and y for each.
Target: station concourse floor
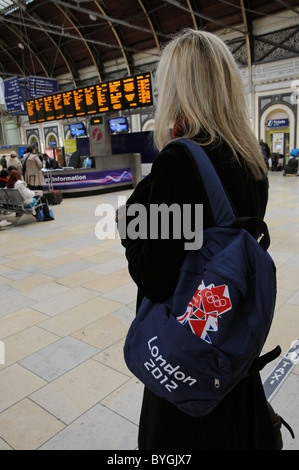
(66, 303)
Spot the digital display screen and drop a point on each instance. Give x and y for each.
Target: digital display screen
(68, 104)
(90, 96)
(58, 106)
(40, 109)
(115, 95)
(49, 108)
(130, 92)
(77, 129)
(18, 90)
(103, 98)
(118, 125)
(144, 90)
(31, 110)
(79, 102)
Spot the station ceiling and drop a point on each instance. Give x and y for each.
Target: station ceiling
(61, 37)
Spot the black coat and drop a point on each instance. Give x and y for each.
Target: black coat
(154, 266)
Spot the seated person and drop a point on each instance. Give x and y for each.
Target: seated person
(3, 178)
(49, 163)
(15, 181)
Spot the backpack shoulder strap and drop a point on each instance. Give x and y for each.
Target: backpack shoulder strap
(219, 203)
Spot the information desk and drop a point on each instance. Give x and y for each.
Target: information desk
(112, 172)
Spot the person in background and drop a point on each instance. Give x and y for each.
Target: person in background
(3, 162)
(3, 178)
(265, 151)
(201, 98)
(13, 161)
(32, 170)
(49, 163)
(30, 197)
(3, 182)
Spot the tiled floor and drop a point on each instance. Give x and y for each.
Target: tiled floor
(66, 303)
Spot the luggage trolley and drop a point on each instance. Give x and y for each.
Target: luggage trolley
(292, 166)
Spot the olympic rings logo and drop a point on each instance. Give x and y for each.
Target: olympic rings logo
(214, 299)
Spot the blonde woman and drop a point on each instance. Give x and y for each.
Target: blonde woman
(200, 98)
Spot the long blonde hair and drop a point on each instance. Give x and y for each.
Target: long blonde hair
(200, 87)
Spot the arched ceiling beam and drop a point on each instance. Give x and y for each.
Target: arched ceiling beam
(175, 3)
(14, 60)
(196, 19)
(32, 49)
(131, 25)
(58, 31)
(248, 30)
(37, 26)
(151, 20)
(288, 7)
(118, 36)
(82, 34)
(60, 49)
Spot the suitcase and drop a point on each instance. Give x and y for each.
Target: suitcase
(54, 197)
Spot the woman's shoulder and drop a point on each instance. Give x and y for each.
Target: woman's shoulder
(20, 183)
(173, 156)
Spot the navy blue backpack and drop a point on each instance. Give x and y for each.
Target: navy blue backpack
(196, 346)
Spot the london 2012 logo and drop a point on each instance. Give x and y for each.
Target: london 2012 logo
(204, 309)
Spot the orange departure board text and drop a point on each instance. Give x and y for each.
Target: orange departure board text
(49, 108)
(40, 109)
(58, 106)
(130, 92)
(79, 102)
(103, 98)
(31, 109)
(144, 89)
(91, 104)
(68, 104)
(115, 95)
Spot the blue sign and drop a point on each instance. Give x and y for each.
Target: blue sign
(14, 97)
(278, 123)
(18, 90)
(39, 86)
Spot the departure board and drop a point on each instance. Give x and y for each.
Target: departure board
(130, 93)
(144, 90)
(49, 108)
(115, 95)
(40, 109)
(31, 112)
(103, 98)
(79, 102)
(68, 104)
(90, 96)
(58, 106)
